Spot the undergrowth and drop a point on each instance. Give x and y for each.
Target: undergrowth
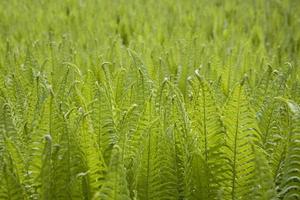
(149, 100)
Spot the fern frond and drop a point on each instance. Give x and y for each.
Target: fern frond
(242, 133)
(93, 157)
(115, 184)
(10, 169)
(290, 183)
(11, 188)
(106, 110)
(264, 188)
(47, 191)
(156, 174)
(209, 136)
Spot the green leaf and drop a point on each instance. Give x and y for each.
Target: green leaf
(115, 184)
(241, 133)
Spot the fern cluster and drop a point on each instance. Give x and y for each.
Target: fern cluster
(150, 100)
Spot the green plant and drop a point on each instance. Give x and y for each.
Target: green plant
(149, 100)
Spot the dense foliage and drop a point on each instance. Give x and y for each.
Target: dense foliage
(150, 100)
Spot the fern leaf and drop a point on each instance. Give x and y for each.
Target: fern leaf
(290, 184)
(242, 133)
(209, 134)
(264, 188)
(115, 184)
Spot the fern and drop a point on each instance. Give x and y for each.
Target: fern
(209, 136)
(242, 132)
(115, 185)
(47, 170)
(156, 176)
(11, 185)
(264, 188)
(99, 100)
(289, 187)
(96, 165)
